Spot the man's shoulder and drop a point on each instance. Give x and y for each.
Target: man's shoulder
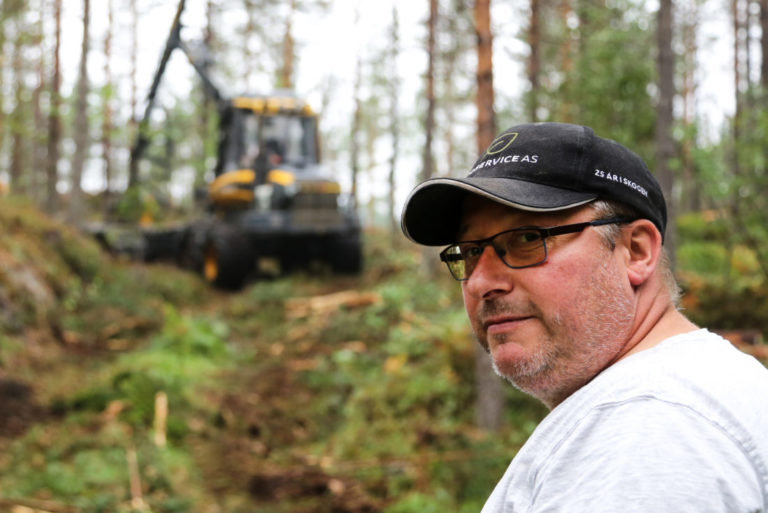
(697, 375)
(689, 402)
(698, 370)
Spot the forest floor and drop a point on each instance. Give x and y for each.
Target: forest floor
(130, 387)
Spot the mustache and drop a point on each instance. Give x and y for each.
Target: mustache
(497, 307)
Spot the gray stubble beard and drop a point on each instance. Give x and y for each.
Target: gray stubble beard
(545, 375)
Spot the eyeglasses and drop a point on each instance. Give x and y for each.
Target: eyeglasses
(517, 248)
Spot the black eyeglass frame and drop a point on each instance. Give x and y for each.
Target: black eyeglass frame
(544, 233)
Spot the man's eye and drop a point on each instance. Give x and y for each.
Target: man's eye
(528, 237)
(521, 239)
(472, 251)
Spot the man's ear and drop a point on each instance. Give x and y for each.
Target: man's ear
(642, 241)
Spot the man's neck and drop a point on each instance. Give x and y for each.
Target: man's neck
(662, 322)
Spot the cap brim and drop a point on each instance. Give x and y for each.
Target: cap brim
(432, 212)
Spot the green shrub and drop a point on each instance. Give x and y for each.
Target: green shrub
(707, 259)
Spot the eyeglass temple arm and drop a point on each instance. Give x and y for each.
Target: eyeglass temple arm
(571, 228)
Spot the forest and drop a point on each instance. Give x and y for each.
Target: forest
(129, 385)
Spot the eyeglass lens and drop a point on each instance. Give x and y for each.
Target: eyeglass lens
(517, 248)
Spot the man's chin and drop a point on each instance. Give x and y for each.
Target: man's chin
(512, 363)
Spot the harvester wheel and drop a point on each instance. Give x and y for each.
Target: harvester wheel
(228, 259)
(190, 253)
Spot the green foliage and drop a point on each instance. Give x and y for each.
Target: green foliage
(91, 472)
(598, 71)
(725, 307)
(188, 337)
(50, 271)
(708, 259)
(434, 502)
(724, 283)
(735, 176)
(82, 460)
(135, 203)
(706, 226)
(182, 355)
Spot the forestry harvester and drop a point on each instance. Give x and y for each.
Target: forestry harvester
(269, 202)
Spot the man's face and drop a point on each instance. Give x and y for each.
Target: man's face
(551, 328)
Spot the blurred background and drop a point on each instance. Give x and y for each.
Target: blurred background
(185, 331)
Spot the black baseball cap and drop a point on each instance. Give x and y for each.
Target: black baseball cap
(538, 167)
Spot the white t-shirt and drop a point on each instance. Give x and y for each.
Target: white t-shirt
(680, 427)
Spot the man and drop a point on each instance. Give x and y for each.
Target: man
(556, 236)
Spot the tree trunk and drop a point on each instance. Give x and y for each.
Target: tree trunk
(490, 394)
(286, 75)
(486, 118)
(82, 137)
(428, 257)
(2, 81)
(54, 118)
(737, 57)
(207, 143)
(749, 90)
(250, 28)
(17, 122)
(449, 59)
(564, 110)
(354, 149)
(133, 171)
(38, 140)
(394, 126)
(665, 146)
(534, 64)
(691, 197)
(764, 52)
(427, 166)
(763, 102)
(106, 120)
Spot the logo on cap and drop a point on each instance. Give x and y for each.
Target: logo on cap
(501, 143)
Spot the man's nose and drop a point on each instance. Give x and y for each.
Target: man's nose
(491, 276)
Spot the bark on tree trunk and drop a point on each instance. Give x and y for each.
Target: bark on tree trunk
(82, 139)
(427, 167)
(564, 109)
(2, 81)
(490, 394)
(691, 197)
(106, 121)
(16, 122)
(354, 150)
(394, 127)
(764, 48)
(287, 70)
(54, 119)
(534, 64)
(133, 177)
(665, 146)
(428, 257)
(486, 119)
(38, 151)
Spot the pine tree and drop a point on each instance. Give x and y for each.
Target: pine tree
(54, 117)
(81, 135)
(107, 125)
(394, 122)
(665, 145)
(489, 392)
(486, 120)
